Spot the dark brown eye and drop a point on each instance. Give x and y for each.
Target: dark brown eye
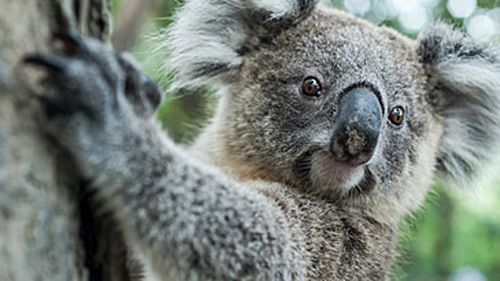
(311, 87)
(397, 116)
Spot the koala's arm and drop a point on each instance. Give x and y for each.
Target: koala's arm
(190, 220)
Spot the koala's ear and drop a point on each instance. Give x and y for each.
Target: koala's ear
(208, 38)
(464, 79)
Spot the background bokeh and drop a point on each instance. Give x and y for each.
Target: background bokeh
(456, 235)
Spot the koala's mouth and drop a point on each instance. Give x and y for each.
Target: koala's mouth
(321, 173)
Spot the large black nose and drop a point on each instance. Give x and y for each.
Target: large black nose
(357, 127)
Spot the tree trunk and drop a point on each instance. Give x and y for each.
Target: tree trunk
(48, 227)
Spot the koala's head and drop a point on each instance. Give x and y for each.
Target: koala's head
(335, 106)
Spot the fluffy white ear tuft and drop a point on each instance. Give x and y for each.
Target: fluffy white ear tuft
(209, 38)
(278, 9)
(465, 84)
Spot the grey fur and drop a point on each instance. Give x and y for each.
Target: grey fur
(3, 74)
(466, 83)
(213, 46)
(258, 197)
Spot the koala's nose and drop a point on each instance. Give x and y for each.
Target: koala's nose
(357, 127)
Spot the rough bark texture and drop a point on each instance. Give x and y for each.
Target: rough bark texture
(48, 230)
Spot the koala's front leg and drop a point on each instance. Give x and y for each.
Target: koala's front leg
(189, 220)
(94, 99)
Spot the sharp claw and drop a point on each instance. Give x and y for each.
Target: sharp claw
(48, 61)
(71, 40)
(153, 93)
(54, 106)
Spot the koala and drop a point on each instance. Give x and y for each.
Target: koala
(328, 132)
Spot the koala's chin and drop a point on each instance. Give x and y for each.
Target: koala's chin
(338, 180)
(326, 173)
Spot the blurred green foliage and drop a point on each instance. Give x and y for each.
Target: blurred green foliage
(456, 235)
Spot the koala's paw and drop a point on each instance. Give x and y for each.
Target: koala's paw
(91, 94)
(89, 69)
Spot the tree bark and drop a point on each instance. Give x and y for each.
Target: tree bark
(48, 228)
(130, 23)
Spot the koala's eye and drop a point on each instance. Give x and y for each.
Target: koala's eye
(311, 87)
(397, 116)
